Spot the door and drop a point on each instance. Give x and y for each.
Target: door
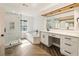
(2, 45)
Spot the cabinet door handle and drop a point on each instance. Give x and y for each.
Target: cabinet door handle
(68, 38)
(67, 44)
(2, 35)
(67, 52)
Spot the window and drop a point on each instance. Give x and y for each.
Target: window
(23, 25)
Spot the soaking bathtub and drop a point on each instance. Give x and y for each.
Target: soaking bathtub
(32, 36)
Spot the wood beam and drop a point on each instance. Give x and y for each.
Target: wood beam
(62, 10)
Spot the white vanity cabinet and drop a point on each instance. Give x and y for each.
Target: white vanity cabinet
(45, 39)
(69, 45)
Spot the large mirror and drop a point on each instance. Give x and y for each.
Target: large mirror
(66, 22)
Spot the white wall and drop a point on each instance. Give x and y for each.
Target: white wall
(39, 23)
(2, 25)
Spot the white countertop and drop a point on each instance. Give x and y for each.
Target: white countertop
(64, 32)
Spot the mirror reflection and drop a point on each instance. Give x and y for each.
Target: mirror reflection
(61, 23)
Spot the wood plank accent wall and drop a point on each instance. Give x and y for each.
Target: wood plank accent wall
(62, 10)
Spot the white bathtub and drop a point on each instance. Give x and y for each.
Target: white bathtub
(33, 37)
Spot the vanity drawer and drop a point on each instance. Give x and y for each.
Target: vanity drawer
(69, 53)
(69, 39)
(68, 45)
(67, 50)
(70, 50)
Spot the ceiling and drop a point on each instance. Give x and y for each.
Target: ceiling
(24, 8)
(28, 8)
